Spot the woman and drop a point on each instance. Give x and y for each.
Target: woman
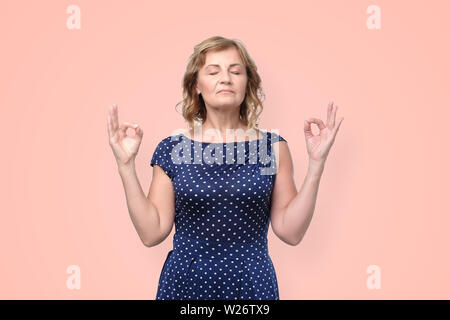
(221, 208)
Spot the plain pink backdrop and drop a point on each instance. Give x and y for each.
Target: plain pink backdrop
(383, 195)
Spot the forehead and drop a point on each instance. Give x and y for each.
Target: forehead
(226, 57)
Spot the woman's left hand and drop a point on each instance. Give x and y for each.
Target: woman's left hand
(319, 145)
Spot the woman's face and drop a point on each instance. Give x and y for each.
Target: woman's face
(222, 70)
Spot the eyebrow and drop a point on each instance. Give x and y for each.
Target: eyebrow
(216, 65)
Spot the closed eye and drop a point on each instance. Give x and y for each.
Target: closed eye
(216, 73)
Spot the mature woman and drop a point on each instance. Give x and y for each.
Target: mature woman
(221, 193)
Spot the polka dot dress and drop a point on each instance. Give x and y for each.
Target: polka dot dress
(222, 215)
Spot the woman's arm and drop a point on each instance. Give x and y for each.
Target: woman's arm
(299, 212)
(143, 213)
(292, 211)
(146, 214)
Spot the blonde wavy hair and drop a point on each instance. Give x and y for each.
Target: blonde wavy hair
(194, 109)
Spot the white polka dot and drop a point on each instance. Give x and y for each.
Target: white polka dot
(222, 216)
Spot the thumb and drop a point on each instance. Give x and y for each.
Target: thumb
(139, 131)
(124, 126)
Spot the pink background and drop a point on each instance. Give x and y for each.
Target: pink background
(383, 197)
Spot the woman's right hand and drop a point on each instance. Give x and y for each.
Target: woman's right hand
(124, 147)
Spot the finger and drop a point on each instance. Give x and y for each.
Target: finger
(112, 120)
(115, 117)
(130, 125)
(108, 126)
(318, 122)
(125, 125)
(339, 124)
(337, 127)
(139, 132)
(329, 111)
(333, 116)
(307, 130)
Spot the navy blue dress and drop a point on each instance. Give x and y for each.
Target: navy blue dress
(222, 215)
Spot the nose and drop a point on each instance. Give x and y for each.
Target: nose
(225, 78)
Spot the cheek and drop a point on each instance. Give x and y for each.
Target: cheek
(244, 84)
(205, 85)
(209, 87)
(243, 88)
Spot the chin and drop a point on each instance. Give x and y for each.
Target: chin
(222, 105)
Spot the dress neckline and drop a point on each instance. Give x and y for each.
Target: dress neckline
(223, 143)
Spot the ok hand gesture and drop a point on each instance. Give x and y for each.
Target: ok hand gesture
(124, 147)
(319, 145)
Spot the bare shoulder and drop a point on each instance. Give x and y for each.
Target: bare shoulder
(283, 156)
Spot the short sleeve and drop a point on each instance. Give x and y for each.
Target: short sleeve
(162, 157)
(276, 137)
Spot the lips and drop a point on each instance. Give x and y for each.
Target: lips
(225, 90)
